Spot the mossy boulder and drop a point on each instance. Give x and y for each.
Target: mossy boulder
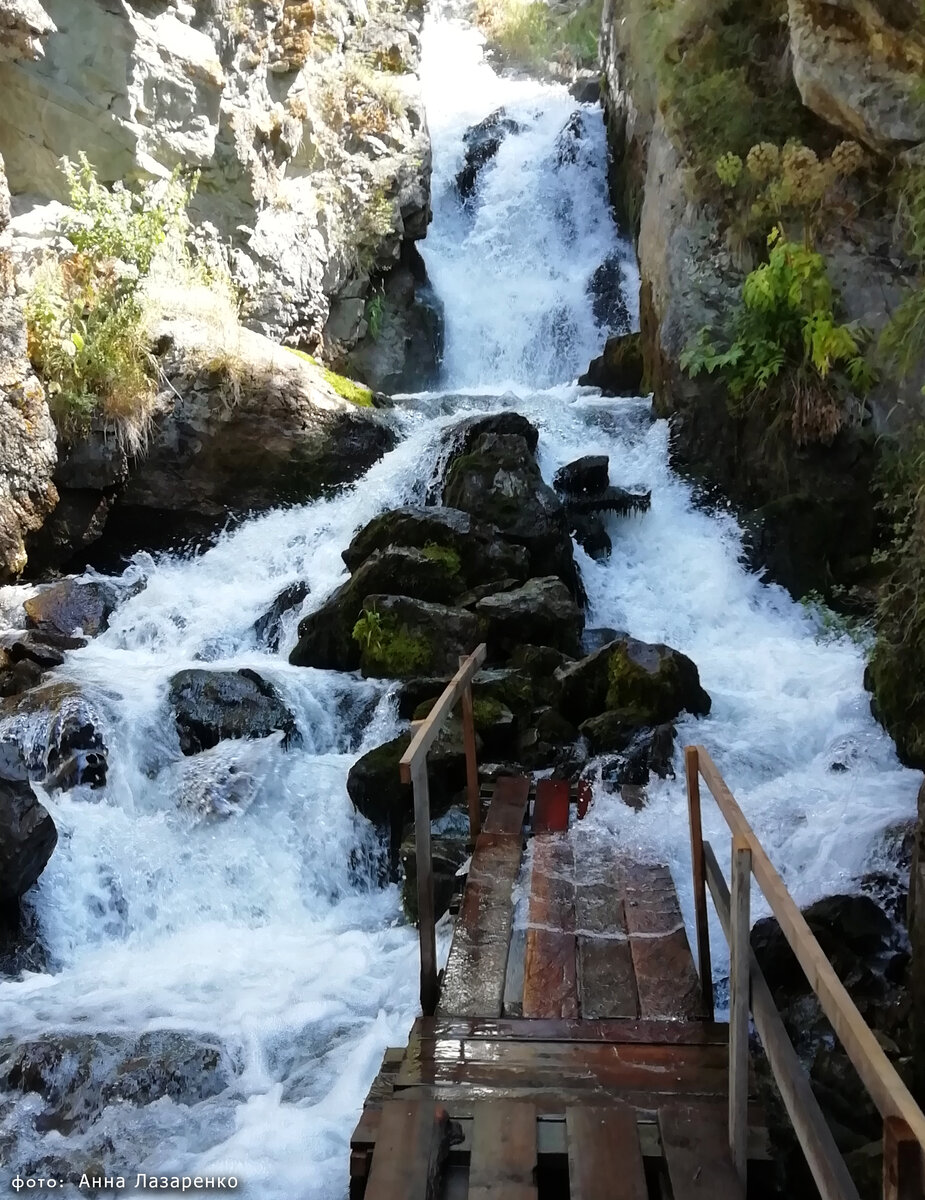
(376, 790)
(609, 731)
(483, 555)
(409, 638)
(214, 706)
(619, 371)
(648, 684)
(326, 636)
(541, 611)
(539, 662)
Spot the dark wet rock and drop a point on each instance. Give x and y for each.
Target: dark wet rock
(448, 854)
(414, 692)
(497, 479)
(610, 500)
(483, 556)
(586, 88)
(540, 662)
(650, 684)
(569, 139)
(512, 687)
(60, 730)
(607, 289)
(639, 753)
(619, 370)
(589, 475)
(78, 1074)
(21, 947)
(31, 645)
(482, 143)
(609, 731)
(547, 739)
(72, 607)
(18, 677)
(78, 521)
(212, 706)
(462, 437)
(27, 839)
(471, 598)
(412, 637)
(493, 720)
(594, 638)
(268, 628)
(376, 789)
(541, 612)
(326, 636)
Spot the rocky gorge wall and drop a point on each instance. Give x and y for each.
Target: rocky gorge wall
(305, 125)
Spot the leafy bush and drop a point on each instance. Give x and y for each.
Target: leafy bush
(784, 343)
(86, 315)
(530, 34)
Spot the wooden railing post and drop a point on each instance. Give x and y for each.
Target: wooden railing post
(739, 1003)
(692, 770)
(902, 1162)
(425, 872)
(472, 766)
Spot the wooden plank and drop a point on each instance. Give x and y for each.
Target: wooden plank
(606, 979)
(704, 961)
(604, 1154)
(666, 978)
(822, 1155)
(460, 1098)
(427, 922)
(739, 961)
(878, 1075)
(674, 1069)
(695, 1033)
(410, 1147)
(513, 1001)
(550, 976)
(472, 764)
(504, 1152)
(902, 1162)
(696, 1151)
(508, 806)
(426, 734)
(550, 809)
(473, 981)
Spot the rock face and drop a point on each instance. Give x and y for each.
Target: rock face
(27, 839)
(23, 24)
(542, 611)
(619, 370)
(211, 706)
(305, 120)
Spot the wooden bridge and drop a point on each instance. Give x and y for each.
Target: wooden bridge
(568, 1049)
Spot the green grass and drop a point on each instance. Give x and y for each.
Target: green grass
(529, 34)
(346, 388)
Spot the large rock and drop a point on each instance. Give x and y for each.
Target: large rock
(619, 370)
(541, 612)
(27, 436)
(211, 706)
(268, 628)
(60, 730)
(23, 24)
(71, 607)
(482, 142)
(858, 65)
(326, 636)
(496, 478)
(412, 638)
(27, 838)
(483, 556)
(647, 684)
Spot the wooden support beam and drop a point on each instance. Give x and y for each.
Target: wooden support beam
(704, 963)
(427, 731)
(427, 931)
(902, 1162)
(472, 765)
(739, 992)
(822, 1155)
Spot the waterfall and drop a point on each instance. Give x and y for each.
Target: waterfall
(267, 936)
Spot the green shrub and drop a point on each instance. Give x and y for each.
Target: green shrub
(785, 344)
(85, 315)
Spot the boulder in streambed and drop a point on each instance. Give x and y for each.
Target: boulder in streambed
(72, 607)
(27, 839)
(212, 706)
(449, 852)
(268, 627)
(619, 370)
(482, 143)
(483, 556)
(326, 636)
(648, 684)
(542, 611)
(401, 638)
(586, 476)
(59, 728)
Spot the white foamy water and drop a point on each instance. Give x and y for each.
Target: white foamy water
(267, 933)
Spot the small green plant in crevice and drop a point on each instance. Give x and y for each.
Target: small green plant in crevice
(86, 315)
(389, 650)
(347, 389)
(785, 347)
(375, 310)
(445, 555)
(367, 632)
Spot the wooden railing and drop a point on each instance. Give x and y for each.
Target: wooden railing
(903, 1120)
(413, 768)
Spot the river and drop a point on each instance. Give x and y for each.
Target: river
(266, 937)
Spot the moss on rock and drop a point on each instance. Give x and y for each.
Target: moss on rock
(346, 388)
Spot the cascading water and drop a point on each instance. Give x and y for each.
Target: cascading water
(263, 938)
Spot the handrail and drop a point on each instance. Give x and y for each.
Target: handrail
(413, 770)
(904, 1122)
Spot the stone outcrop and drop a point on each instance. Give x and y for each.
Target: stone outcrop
(23, 24)
(213, 706)
(27, 838)
(305, 122)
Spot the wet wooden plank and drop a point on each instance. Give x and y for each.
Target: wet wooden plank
(513, 1002)
(410, 1147)
(551, 807)
(553, 1100)
(604, 1154)
(504, 1151)
(550, 974)
(473, 982)
(508, 806)
(696, 1149)
(666, 978)
(672, 1069)
(606, 978)
(512, 1029)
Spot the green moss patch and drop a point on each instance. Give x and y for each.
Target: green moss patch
(346, 388)
(443, 555)
(388, 649)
